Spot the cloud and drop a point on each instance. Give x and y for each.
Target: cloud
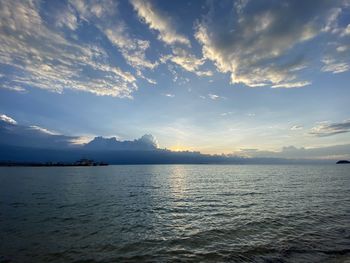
(7, 119)
(329, 129)
(297, 84)
(186, 61)
(43, 130)
(257, 43)
(67, 18)
(107, 19)
(159, 22)
(146, 142)
(292, 152)
(213, 96)
(133, 50)
(12, 133)
(334, 66)
(170, 95)
(335, 57)
(296, 128)
(43, 57)
(33, 136)
(227, 113)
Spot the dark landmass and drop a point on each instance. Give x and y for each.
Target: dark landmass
(81, 162)
(343, 161)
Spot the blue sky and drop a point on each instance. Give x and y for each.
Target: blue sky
(213, 76)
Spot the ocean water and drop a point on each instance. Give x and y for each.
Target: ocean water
(175, 213)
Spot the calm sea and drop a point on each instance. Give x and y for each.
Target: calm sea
(175, 213)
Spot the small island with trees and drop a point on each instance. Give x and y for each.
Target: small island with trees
(343, 162)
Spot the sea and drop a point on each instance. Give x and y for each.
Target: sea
(175, 213)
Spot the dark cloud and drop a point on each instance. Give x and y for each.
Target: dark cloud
(34, 136)
(146, 142)
(12, 133)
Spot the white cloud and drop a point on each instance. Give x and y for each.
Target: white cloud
(132, 49)
(7, 119)
(334, 66)
(105, 16)
(186, 61)
(287, 85)
(43, 130)
(81, 140)
(43, 58)
(227, 113)
(170, 95)
(214, 96)
(13, 87)
(159, 22)
(67, 18)
(296, 127)
(255, 43)
(346, 31)
(342, 48)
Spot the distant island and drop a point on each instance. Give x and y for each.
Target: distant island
(81, 162)
(343, 161)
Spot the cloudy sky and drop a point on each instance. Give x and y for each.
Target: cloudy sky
(213, 76)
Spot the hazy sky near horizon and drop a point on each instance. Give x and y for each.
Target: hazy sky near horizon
(213, 76)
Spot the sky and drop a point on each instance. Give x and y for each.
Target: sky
(210, 76)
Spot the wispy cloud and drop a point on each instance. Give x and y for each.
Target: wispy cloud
(43, 57)
(159, 22)
(42, 130)
(332, 65)
(329, 129)
(186, 61)
(296, 127)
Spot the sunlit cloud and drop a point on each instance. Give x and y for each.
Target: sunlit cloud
(43, 130)
(255, 44)
(159, 22)
(45, 59)
(5, 118)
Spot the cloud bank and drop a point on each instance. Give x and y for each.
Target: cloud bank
(33, 136)
(292, 152)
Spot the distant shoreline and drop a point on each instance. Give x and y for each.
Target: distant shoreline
(83, 162)
(46, 165)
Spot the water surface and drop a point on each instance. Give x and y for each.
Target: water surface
(175, 213)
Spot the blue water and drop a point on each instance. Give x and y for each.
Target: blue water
(175, 213)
